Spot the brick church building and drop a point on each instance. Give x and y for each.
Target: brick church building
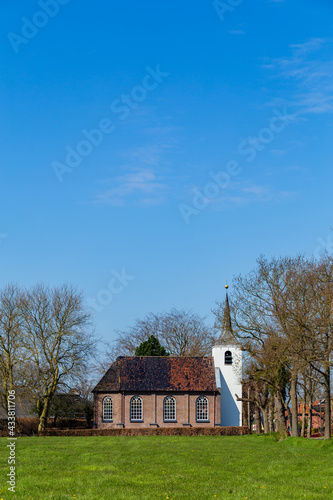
(154, 391)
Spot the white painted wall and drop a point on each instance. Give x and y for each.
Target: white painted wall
(228, 380)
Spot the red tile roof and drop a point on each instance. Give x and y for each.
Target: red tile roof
(155, 373)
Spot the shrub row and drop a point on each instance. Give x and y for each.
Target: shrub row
(24, 426)
(29, 426)
(175, 431)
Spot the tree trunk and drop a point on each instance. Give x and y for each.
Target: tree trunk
(303, 416)
(265, 417)
(250, 419)
(309, 416)
(293, 397)
(8, 381)
(257, 420)
(44, 414)
(280, 416)
(327, 396)
(249, 410)
(46, 404)
(271, 414)
(289, 419)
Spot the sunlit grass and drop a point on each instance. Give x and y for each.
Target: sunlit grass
(169, 467)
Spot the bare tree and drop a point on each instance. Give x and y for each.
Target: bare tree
(283, 317)
(261, 324)
(320, 331)
(57, 336)
(310, 317)
(181, 332)
(11, 352)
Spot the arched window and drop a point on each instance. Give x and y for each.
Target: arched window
(107, 409)
(136, 409)
(228, 358)
(169, 409)
(202, 409)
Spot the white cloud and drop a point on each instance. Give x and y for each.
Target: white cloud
(278, 152)
(145, 172)
(134, 188)
(237, 32)
(311, 73)
(258, 194)
(256, 190)
(308, 47)
(246, 193)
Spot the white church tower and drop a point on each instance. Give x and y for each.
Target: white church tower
(227, 356)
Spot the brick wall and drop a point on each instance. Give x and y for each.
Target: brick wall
(153, 410)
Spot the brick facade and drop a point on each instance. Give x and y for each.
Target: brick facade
(153, 410)
(153, 379)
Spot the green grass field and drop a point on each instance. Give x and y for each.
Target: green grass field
(169, 467)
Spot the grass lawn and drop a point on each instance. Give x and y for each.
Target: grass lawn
(168, 467)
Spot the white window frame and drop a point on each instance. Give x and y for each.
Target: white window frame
(167, 417)
(200, 411)
(109, 410)
(136, 409)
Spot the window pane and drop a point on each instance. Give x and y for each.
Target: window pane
(202, 408)
(107, 409)
(136, 408)
(228, 358)
(169, 408)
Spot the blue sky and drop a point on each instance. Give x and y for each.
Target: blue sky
(149, 149)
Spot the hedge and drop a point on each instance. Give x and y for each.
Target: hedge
(162, 431)
(28, 426)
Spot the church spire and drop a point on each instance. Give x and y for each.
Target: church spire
(227, 334)
(226, 324)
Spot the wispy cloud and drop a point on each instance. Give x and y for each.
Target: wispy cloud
(145, 155)
(238, 30)
(311, 72)
(142, 175)
(278, 152)
(247, 193)
(258, 193)
(144, 179)
(141, 187)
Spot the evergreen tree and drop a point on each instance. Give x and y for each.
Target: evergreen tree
(151, 347)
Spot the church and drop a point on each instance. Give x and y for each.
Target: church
(167, 391)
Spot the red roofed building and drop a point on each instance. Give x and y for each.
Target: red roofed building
(158, 391)
(163, 391)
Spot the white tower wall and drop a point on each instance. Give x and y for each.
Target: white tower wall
(228, 380)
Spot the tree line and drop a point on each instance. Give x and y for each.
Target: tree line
(281, 314)
(283, 317)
